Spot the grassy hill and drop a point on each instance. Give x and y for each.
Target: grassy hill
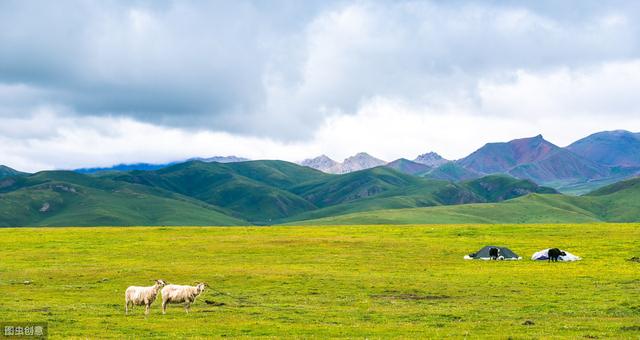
(452, 172)
(62, 198)
(397, 191)
(619, 202)
(531, 209)
(275, 192)
(6, 171)
(254, 190)
(425, 193)
(496, 188)
(408, 167)
(354, 186)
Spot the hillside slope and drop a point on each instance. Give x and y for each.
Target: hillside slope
(254, 190)
(421, 192)
(6, 171)
(452, 172)
(619, 202)
(523, 210)
(63, 198)
(612, 148)
(408, 167)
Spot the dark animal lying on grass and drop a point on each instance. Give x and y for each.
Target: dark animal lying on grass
(554, 253)
(494, 253)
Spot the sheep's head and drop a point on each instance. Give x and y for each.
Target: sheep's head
(563, 253)
(160, 283)
(201, 286)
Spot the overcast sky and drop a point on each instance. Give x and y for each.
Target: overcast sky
(95, 83)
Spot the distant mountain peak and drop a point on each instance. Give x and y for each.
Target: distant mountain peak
(359, 161)
(611, 148)
(533, 158)
(530, 140)
(431, 159)
(322, 163)
(362, 155)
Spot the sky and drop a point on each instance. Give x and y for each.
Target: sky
(97, 83)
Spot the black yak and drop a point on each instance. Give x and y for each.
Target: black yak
(494, 253)
(554, 253)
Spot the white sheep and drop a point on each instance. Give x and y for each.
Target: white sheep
(181, 294)
(135, 295)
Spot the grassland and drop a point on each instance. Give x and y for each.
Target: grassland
(346, 281)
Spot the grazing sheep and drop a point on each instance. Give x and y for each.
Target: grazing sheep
(135, 295)
(554, 253)
(494, 253)
(181, 294)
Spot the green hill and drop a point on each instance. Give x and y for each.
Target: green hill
(452, 172)
(409, 167)
(422, 194)
(354, 186)
(62, 198)
(280, 174)
(533, 208)
(630, 185)
(6, 171)
(244, 189)
(255, 192)
(394, 190)
(496, 188)
(619, 202)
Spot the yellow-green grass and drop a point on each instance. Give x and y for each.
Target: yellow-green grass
(342, 281)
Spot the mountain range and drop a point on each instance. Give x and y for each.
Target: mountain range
(509, 182)
(585, 165)
(253, 192)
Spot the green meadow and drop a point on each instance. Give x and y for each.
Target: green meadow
(378, 281)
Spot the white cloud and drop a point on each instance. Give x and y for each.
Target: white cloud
(95, 83)
(564, 105)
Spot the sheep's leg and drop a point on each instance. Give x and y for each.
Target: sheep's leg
(164, 307)
(186, 307)
(126, 308)
(146, 308)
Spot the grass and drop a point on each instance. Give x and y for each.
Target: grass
(344, 281)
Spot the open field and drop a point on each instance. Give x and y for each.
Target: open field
(343, 281)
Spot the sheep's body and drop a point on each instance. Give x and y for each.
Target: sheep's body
(180, 294)
(139, 296)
